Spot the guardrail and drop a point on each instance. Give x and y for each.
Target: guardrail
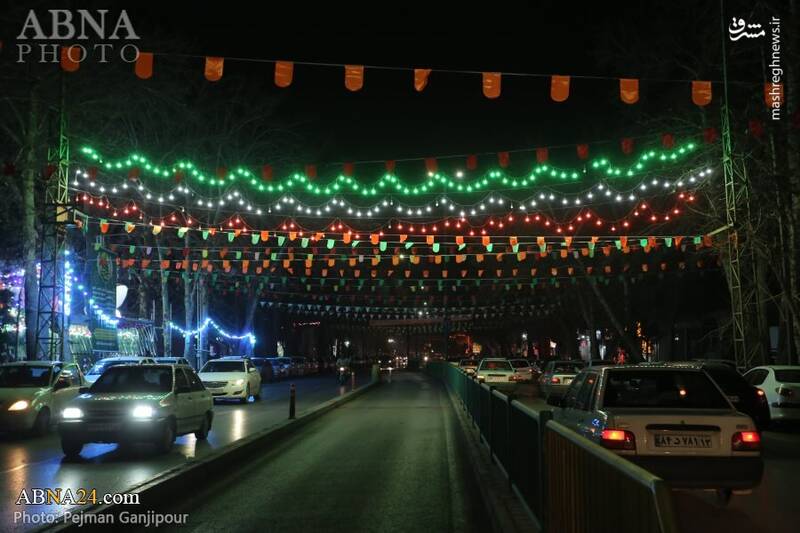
(567, 482)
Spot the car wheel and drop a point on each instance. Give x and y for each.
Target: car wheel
(71, 447)
(167, 438)
(42, 423)
(202, 433)
(246, 395)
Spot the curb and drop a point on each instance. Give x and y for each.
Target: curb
(156, 491)
(506, 513)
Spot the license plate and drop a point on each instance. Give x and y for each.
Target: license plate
(683, 441)
(102, 427)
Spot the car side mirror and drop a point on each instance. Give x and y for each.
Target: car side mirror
(556, 400)
(83, 390)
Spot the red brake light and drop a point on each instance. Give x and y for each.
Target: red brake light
(618, 439)
(555, 380)
(746, 441)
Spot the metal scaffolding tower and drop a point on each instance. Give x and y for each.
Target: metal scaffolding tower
(50, 331)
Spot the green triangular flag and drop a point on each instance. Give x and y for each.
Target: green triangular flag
(205, 234)
(515, 248)
(182, 231)
(355, 243)
(273, 256)
(254, 238)
(205, 254)
(489, 247)
(131, 249)
(238, 255)
(668, 242)
(331, 242)
(382, 246)
(618, 244)
(409, 245)
(281, 240)
(642, 242)
(304, 242)
(698, 240)
(462, 246)
(435, 247)
(96, 246)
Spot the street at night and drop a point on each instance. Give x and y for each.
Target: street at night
(410, 266)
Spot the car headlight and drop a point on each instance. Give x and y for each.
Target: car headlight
(19, 405)
(238, 382)
(71, 413)
(142, 411)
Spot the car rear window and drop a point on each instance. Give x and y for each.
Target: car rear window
(134, 379)
(728, 380)
(567, 368)
(224, 366)
(496, 365)
(520, 364)
(787, 376)
(662, 389)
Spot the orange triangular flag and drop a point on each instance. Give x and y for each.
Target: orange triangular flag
(559, 88)
(491, 84)
(284, 70)
(629, 90)
(144, 65)
(421, 78)
(354, 77)
(214, 66)
(701, 92)
(71, 57)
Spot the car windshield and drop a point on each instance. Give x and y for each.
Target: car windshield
(567, 368)
(662, 389)
(787, 376)
(101, 366)
(224, 366)
(468, 362)
(496, 365)
(518, 363)
(25, 376)
(728, 380)
(134, 379)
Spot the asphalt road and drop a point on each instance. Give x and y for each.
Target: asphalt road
(27, 463)
(391, 460)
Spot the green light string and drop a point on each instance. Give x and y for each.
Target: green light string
(389, 184)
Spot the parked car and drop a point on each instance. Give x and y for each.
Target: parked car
(234, 378)
(523, 369)
(557, 376)
(172, 361)
(299, 363)
(104, 364)
(469, 366)
(674, 422)
(495, 370)
(288, 367)
(748, 399)
(137, 403)
(781, 386)
(32, 393)
(279, 370)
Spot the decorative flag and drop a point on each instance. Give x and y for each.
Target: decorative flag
(541, 155)
(559, 88)
(144, 66)
(129, 227)
(773, 95)
(390, 166)
(421, 78)
(710, 135)
(701, 92)
(491, 84)
(472, 162)
(431, 165)
(266, 172)
(284, 70)
(503, 159)
(627, 145)
(311, 171)
(629, 90)
(668, 140)
(354, 77)
(71, 57)
(214, 66)
(348, 169)
(103, 225)
(583, 151)
(156, 229)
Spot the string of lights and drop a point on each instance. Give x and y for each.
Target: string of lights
(210, 323)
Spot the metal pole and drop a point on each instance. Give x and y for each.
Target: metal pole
(292, 399)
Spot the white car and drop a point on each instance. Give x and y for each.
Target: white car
(523, 369)
(675, 422)
(495, 371)
(172, 361)
(100, 366)
(231, 378)
(781, 385)
(557, 376)
(32, 393)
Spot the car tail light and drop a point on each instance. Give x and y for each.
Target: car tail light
(618, 439)
(555, 380)
(761, 396)
(784, 392)
(746, 441)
